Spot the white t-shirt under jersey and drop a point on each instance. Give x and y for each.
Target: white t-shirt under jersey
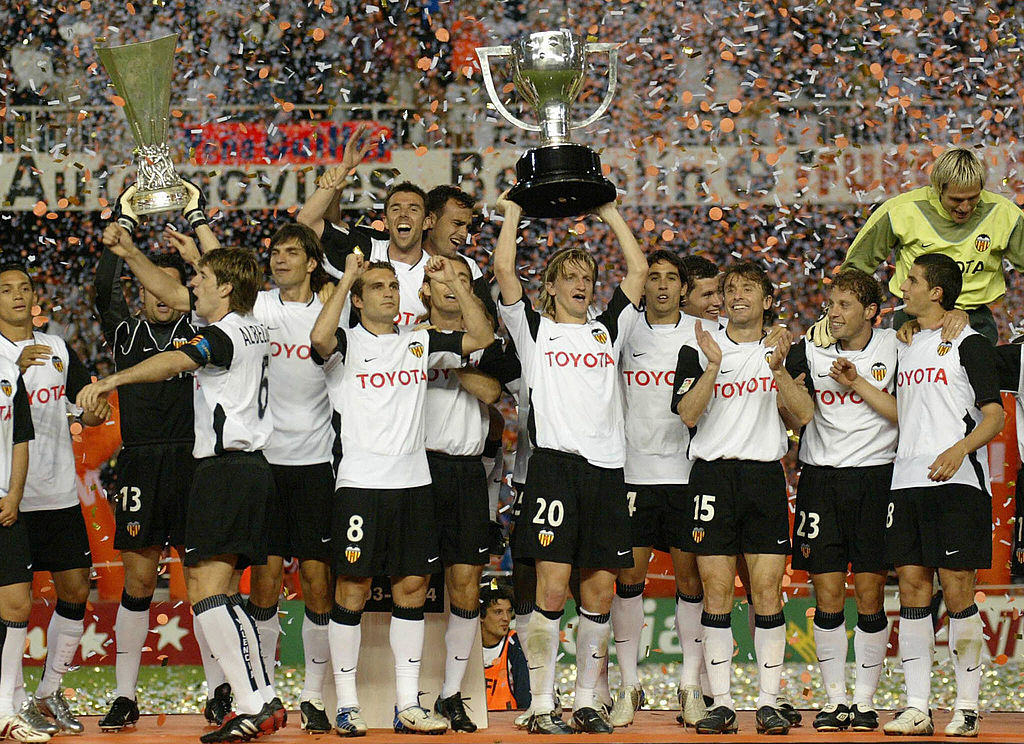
(303, 434)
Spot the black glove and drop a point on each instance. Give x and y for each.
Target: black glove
(124, 214)
(195, 210)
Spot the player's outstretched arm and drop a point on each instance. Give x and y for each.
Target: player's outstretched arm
(695, 400)
(793, 396)
(330, 184)
(874, 243)
(636, 264)
(845, 373)
(504, 256)
(157, 368)
(322, 337)
(170, 291)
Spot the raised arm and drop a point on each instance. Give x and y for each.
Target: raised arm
(117, 239)
(111, 306)
(323, 337)
(504, 256)
(636, 264)
(162, 366)
(333, 180)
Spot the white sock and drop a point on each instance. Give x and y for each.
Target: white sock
(406, 635)
(870, 639)
(20, 694)
(831, 645)
(230, 648)
(459, 638)
(628, 624)
(770, 649)
(688, 629)
(917, 638)
(345, 635)
(522, 629)
(211, 669)
(247, 627)
(12, 648)
(268, 627)
(130, 630)
(717, 642)
(602, 692)
(965, 641)
(542, 645)
(63, 635)
(591, 653)
(316, 651)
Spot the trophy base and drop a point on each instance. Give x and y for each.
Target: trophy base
(560, 181)
(154, 201)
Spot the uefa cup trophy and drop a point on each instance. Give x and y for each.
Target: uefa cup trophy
(559, 178)
(142, 76)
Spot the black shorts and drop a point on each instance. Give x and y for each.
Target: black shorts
(299, 511)
(658, 513)
(151, 496)
(574, 513)
(1017, 557)
(385, 532)
(16, 563)
(737, 507)
(57, 539)
(840, 519)
(943, 526)
(460, 508)
(227, 509)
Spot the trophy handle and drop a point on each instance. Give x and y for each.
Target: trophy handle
(485, 54)
(613, 63)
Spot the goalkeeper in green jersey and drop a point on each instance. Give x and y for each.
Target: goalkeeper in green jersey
(954, 216)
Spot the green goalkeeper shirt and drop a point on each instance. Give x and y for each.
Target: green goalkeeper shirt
(915, 223)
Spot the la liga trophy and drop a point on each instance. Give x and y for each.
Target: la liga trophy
(559, 178)
(142, 76)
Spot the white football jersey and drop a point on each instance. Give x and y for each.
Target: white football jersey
(940, 388)
(51, 480)
(302, 434)
(742, 419)
(571, 370)
(656, 439)
(846, 432)
(379, 383)
(232, 400)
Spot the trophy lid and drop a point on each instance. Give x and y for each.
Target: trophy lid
(142, 73)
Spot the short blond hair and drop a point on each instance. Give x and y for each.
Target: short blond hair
(557, 267)
(960, 168)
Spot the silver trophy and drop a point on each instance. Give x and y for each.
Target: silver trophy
(142, 76)
(559, 178)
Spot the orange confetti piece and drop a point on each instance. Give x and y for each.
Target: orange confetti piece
(39, 209)
(1001, 659)
(117, 100)
(62, 203)
(105, 214)
(876, 70)
(76, 428)
(648, 225)
(728, 56)
(161, 619)
(667, 235)
(949, 16)
(735, 105)
(161, 719)
(131, 8)
(378, 225)
(423, 63)
(727, 125)
(979, 597)
(264, 71)
(809, 612)
(318, 34)
(284, 25)
(806, 677)
(421, 151)
(651, 171)
(715, 213)
(817, 48)
(69, 692)
(442, 35)
(687, 96)
(287, 106)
